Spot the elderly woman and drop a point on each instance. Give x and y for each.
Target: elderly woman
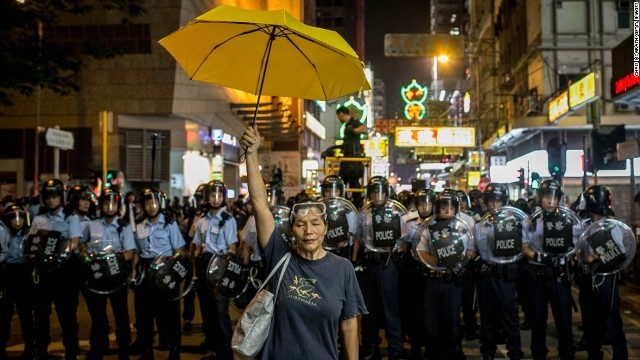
(319, 294)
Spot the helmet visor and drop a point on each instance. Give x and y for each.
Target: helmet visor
(216, 196)
(110, 203)
(332, 190)
(18, 219)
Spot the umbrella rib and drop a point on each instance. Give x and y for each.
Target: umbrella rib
(265, 61)
(259, 28)
(309, 60)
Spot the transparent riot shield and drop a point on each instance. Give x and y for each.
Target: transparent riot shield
(443, 243)
(380, 227)
(226, 275)
(606, 246)
(342, 217)
(554, 233)
(47, 250)
(106, 271)
(499, 235)
(281, 216)
(171, 277)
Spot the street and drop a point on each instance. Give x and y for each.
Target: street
(192, 339)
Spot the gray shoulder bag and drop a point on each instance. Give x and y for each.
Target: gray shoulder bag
(253, 326)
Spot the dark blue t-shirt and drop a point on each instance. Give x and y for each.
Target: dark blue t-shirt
(315, 295)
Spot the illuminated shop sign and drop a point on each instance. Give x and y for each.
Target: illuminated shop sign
(625, 83)
(314, 126)
(375, 147)
(582, 91)
(435, 136)
(559, 106)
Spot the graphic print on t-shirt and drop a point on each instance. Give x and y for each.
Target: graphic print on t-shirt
(303, 290)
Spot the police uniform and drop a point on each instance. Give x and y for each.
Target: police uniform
(156, 239)
(552, 286)
(98, 235)
(380, 281)
(443, 291)
(55, 287)
(215, 234)
(497, 295)
(16, 289)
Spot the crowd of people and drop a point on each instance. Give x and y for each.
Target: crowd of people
(417, 265)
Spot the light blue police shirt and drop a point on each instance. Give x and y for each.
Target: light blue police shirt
(157, 239)
(101, 236)
(216, 238)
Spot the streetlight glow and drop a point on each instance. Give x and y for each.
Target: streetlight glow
(443, 58)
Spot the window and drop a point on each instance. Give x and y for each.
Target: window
(136, 157)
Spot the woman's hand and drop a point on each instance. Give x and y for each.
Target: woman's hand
(250, 140)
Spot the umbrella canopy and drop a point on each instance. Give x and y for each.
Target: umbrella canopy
(266, 53)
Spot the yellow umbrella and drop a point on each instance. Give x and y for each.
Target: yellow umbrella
(266, 53)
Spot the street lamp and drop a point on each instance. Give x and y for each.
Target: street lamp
(443, 59)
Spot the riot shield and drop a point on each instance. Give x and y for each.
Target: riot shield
(607, 246)
(498, 235)
(553, 233)
(281, 216)
(47, 250)
(381, 226)
(171, 277)
(106, 272)
(226, 275)
(342, 217)
(443, 243)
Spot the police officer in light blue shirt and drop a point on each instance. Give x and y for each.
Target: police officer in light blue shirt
(109, 236)
(15, 279)
(216, 233)
(57, 286)
(156, 235)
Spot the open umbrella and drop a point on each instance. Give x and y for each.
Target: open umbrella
(266, 53)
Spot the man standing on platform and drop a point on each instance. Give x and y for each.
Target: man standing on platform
(350, 171)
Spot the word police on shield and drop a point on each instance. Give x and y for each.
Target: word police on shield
(59, 138)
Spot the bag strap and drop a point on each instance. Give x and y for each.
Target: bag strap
(284, 259)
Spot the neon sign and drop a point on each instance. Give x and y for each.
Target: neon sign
(559, 106)
(625, 83)
(414, 95)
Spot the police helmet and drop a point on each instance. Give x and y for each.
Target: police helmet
(110, 198)
(475, 194)
(550, 187)
(446, 198)
(463, 199)
(215, 187)
(154, 197)
(425, 199)
(332, 185)
(16, 217)
(377, 188)
(77, 193)
(598, 200)
(198, 195)
(495, 191)
(407, 198)
(52, 187)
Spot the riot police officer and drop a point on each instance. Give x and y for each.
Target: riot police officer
(552, 232)
(446, 244)
(59, 285)
(601, 256)
(81, 201)
(413, 276)
(499, 241)
(216, 234)
(381, 229)
(16, 283)
(109, 238)
(343, 217)
(156, 236)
